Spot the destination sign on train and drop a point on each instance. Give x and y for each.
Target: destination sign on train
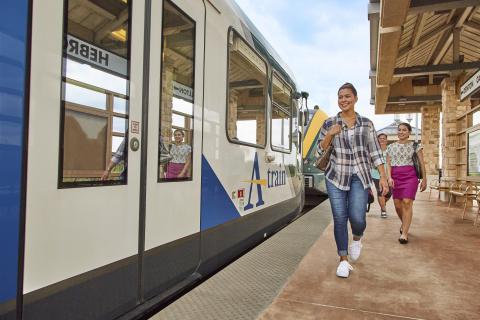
(96, 56)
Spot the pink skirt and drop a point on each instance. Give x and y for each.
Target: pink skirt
(405, 182)
(173, 170)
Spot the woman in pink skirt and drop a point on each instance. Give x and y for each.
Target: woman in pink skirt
(402, 177)
(179, 166)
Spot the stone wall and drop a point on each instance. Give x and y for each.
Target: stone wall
(431, 138)
(451, 109)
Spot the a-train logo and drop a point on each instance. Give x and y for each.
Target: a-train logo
(276, 178)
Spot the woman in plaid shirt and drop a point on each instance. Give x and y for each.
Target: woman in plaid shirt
(355, 149)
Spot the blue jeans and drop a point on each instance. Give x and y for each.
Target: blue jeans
(348, 205)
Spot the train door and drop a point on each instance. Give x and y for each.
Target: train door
(83, 172)
(283, 139)
(173, 177)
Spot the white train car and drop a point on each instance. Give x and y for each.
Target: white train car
(153, 142)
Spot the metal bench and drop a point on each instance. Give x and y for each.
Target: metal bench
(442, 185)
(465, 190)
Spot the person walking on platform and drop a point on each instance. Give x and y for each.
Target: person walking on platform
(355, 147)
(402, 176)
(382, 200)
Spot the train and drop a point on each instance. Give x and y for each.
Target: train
(144, 145)
(315, 188)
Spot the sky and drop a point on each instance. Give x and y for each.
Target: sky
(325, 43)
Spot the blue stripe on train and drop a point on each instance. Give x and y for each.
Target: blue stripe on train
(216, 206)
(13, 39)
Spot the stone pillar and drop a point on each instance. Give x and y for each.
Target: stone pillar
(167, 104)
(232, 114)
(431, 138)
(451, 109)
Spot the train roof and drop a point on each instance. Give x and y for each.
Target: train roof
(262, 45)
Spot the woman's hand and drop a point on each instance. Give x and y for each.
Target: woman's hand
(391, 183)
(384, 185)
(423, 185)
(335, 129)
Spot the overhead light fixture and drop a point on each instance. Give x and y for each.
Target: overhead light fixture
(120, 34)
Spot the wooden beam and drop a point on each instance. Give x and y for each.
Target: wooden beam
(381, 98)
(408, 108)
(420, 6)
(456, 45)
(111, 26)
(393, 12)
(465, 15)
(473, 26)
(245, 84)
(435, 69)
(426, 38)
(442, 48)
(414, 99)
(417, 31)
(387, 54)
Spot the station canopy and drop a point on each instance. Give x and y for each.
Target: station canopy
(415, 44)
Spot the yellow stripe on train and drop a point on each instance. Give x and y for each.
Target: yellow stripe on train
(315, 124)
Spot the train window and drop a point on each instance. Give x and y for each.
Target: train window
(95, 93)
(281, 128)
(176, 104)
(247, 79)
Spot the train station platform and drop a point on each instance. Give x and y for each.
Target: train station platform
(292, 274)
(435, 276)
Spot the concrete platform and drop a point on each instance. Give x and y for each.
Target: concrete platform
(243, 289)
(435, 276)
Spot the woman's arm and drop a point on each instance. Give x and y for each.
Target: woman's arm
(389, 172)
(423, 184)
(377, 157)
(186, 167)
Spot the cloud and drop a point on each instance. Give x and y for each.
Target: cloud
(325, 43)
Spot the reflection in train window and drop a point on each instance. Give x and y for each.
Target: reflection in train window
(176, 104)
(95, 93)
(281, 114)
(247, 78)
(296, 135)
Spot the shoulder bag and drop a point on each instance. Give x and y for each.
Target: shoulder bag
(322, 162)
(416, 162)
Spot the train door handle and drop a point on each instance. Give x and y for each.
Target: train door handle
(269, 157)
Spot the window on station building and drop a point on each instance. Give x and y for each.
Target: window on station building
(476, 118)
(281, 116)
(247, 79)
(176, 102)
(95, 99)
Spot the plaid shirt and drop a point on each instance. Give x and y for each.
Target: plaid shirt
(345, 157)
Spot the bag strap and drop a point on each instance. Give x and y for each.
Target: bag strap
(331, 141)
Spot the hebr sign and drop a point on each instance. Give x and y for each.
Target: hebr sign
(470, 86)
(94, 55)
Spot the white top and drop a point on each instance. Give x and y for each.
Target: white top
(180, 152)
(401, 154)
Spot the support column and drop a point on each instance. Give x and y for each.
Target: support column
(451, 109)
(431, 138)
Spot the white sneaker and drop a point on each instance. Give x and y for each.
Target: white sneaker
(343, 269)
(383, 214)
(355, 250)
